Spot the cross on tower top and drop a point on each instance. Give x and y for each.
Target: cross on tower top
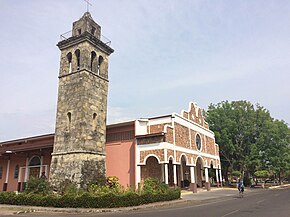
(88, 4)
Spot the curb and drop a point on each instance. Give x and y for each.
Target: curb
(279, 186)
(29, 209)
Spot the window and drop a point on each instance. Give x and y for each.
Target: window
(1, 171)
(69, 59)
(35, 161)
(80, 31)
(78, 56)
(101, 59)
(93, 57)
(16, 172)
(68, 120)
(93, 30)
(198, 141)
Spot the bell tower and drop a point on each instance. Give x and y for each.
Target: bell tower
(80, 134)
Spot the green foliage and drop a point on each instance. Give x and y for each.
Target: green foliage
(249, 138)
(262, 174)
(38, 186)
(87, 200)
(154, 185)
(112, 186)
(109, 195)
(236, 173)
(247, 181)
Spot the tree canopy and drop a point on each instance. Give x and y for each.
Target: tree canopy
(249, 138)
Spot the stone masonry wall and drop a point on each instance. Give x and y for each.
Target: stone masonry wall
(181, 136)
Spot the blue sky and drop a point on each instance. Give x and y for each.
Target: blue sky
(167, 53)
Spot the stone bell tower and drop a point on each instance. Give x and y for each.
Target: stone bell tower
(80, 134)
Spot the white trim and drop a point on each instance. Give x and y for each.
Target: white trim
(7, 171)
(26, 169)
(165, 145)
(193, 126)
(192, 175)
(152, 155)
(138, 175)
(186, 159)
(190, 143)
(217, 175)
(221, 177)
(181, 172)
(166, 126)
(160, 120)
(41, 163)
(174, 174)
(165, 155)
(166, 173)
(20, 174)
(206, 174)
(162, 173)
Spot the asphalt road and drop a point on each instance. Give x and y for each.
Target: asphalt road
(264, 203)
(259, 204)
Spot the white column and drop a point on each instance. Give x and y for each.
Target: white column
(181, 172)
(26, 170)
(162, 173)
(206, 174)
(41, 169)
(7, 171)
(46, 171)
(174, 175)
(138, 175)
(69, 67)
(217, 175)
(20, 174)
(166, 173)
(192, 175)
(221, 178)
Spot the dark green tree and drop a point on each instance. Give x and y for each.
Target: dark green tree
(249, 138)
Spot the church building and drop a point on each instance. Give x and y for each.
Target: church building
(178, 149)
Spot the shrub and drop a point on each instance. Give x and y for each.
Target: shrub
(236, 173)
(247, 181)
(112, 186)
(154, 185)
(87, 200)
(38, 186)
(261, 174)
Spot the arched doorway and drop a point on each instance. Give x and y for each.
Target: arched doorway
(34, 166)
(151, 169)
(199, 172)
(170, 173)
(184, 173)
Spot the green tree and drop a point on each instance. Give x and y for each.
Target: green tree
(275, 149)
(249, 138)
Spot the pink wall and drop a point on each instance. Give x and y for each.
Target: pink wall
(120, 156)
(120, 162)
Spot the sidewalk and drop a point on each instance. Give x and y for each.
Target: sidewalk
(186, 196)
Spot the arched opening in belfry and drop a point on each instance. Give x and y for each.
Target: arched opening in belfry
(69, 59)
(78, 57)
(93, 60)
(100, 62)
(93, 30)
(34, 166)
